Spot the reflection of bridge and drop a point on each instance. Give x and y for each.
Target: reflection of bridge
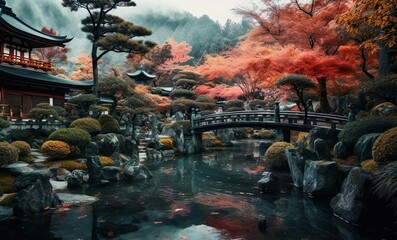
(284, 120)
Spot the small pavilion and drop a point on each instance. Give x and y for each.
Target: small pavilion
(25, 81)
(141, 76)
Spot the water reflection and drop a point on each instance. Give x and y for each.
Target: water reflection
(204, 196)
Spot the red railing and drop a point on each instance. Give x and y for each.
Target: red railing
(32, 63)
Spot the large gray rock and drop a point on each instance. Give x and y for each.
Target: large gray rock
(131, 149)
(111, 173)
(134, 170)
(226, 136)
(77, 179)
(363, 147)
(329, 135)
(296, 161)
(29, 178)
(348, 203)
(35, 199)
(94, 169)
(321, 178)
(267, 182)
(321, 149)
(107, 143)
(92, 149)
(341, 150)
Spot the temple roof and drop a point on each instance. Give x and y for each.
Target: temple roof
(41, 78)
(12, 25)
(141, 75)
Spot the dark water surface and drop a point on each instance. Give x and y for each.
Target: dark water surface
(202, 196)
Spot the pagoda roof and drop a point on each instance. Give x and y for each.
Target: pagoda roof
(40, 78)
(11, 24)
(141, 75)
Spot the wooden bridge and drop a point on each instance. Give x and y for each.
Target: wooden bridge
(271, 119)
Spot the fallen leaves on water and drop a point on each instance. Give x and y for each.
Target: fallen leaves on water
(157, 222)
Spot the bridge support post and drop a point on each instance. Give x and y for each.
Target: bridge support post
(197, 142)
(286, 135)
(277, 111)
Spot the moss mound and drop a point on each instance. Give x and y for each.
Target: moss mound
(385, 147)
(275, 156)
(4, 123)
(7, 183)
(72, 136)
(70, 165)
(354, 130)
(369, 165)
(55, 149)
(109, 124)
(24, 147)
(91, 125)
(106, 161)
(386, 109)
(8, 153)
(167, 143)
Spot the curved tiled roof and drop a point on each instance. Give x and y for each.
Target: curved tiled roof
(141, 75)
(38, 77)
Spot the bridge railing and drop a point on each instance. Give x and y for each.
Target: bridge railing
(290, 117)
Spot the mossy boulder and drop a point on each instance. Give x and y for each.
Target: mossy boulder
(275, 156)
(385, 147)
(8, 153)
(106, 161)
(386, 109)
(91, 125)
(24, 147)
(72, 136)
(109, 124)
(7, 183)
(353, 131)
(167, 143)
(55, 149)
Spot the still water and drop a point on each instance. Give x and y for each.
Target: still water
(212, 195)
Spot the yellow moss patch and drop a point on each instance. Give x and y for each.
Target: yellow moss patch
(369, 165)
(207, 136)
(275, 156)
(167, 142)
(217, 142)
(106, 161)
(376, 111)
(301, 136)
(28, 159)
(67, 164)
(6, 199)
(55, 149)
(7, 183)
(351, 161)
(385, 147)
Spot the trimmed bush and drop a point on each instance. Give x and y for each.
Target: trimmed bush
(24, 147)
(69, 165)
(8, 153)
(204, 98)
(182, 93)
(186, 83)
(21, 135)
(354, 130)
(386, 109)
(385, 183)
(254, 104)
(109, 124)
(72, 136)
(7, 183)
(183, 104)
(234, 109)
(206, 105)
(91, 125)
(55, 149)
(206, 112)
(28, 159)
(385, 146)
(106, 161)
(4, 123)
(369, 165)
(236, 103)
(264, 134)
(275, 156)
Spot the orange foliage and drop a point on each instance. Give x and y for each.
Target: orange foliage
(83, 68)
(222, 91)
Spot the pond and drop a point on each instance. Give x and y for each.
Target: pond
(212, 195)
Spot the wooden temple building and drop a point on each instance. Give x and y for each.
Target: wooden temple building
(24, 81)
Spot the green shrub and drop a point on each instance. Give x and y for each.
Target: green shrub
(385, 146)
(185, 125)
(275, 156)
(55, 149)
(109, 124)
(204, 98)
(236, 103)
(8, 153)
(23, 147)
(234, 109)
(91, 125)
(186, 83)
(354, 130)
(206, 105)
(4, 123)
(182, 93)
(21, 135)
(72, 136)
(206, 112)
(183, 104)
(254, 104)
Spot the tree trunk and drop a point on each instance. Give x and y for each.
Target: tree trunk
(95, 70)
(324, 104)
(364, 64)
(383, 61)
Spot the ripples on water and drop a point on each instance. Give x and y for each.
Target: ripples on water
(202, 196)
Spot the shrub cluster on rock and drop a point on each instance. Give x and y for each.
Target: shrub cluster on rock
(275, 156)
(354, 130)
(72, 136)
(109, 124)
(91, 125)
(385, 146)
(8, 153)
(23, 147)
